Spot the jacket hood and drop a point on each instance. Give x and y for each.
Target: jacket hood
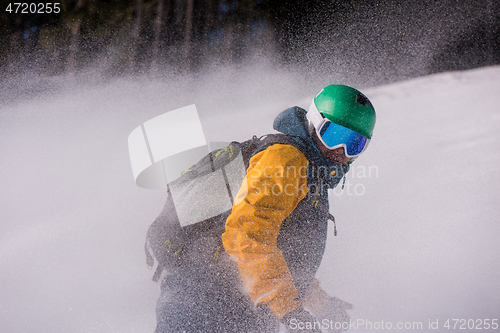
(294, 122)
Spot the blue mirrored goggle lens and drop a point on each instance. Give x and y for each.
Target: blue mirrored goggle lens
(334, 135)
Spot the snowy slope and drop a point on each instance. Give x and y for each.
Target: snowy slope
(418, 220)
(422, 242)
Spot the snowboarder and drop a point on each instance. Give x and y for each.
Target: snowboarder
(274, 238)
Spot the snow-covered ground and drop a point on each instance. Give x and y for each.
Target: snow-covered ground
(418, 221)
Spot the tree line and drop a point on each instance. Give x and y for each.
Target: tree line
(149, 36)
(146, 35)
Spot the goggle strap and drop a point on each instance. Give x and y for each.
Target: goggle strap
(314, 116)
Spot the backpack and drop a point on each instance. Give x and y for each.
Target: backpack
(200, 200)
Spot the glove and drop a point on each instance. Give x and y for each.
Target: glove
(334, 313)
(329, 311)
(300, 320)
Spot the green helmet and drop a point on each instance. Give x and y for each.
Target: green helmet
(347, 107)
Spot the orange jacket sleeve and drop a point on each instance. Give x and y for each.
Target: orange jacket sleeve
(274, 184)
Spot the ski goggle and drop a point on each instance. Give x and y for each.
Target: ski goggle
(334, 136)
